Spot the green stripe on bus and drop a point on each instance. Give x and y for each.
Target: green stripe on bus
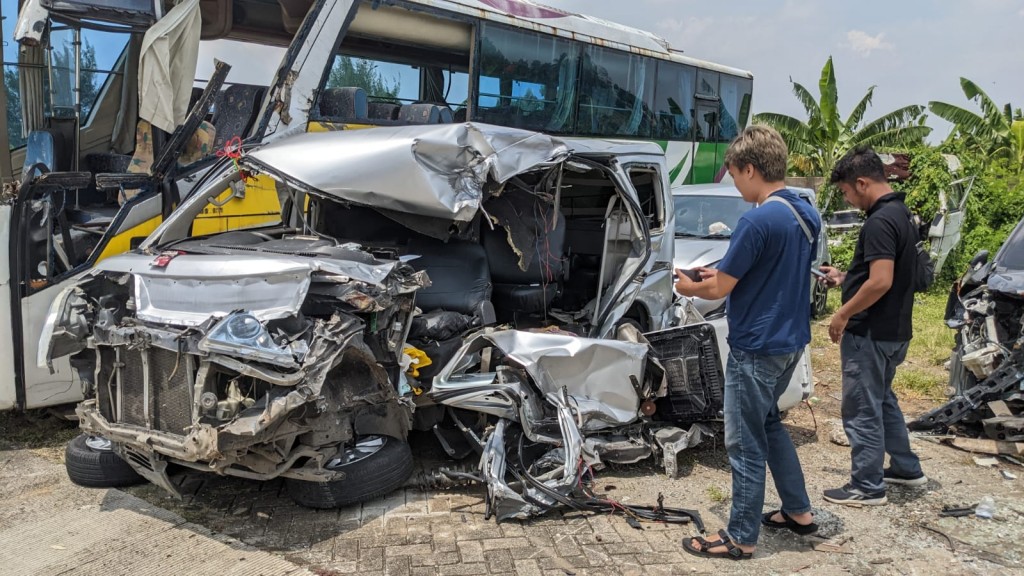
(674, 173)
(705, 163)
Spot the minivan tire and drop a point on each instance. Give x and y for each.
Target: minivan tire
(90, 462)
(375, 474)
(819, 300)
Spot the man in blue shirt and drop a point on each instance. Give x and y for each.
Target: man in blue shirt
(766, 276)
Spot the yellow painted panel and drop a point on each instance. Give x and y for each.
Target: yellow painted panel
(122, 242)
(334, 127)
(261, 205)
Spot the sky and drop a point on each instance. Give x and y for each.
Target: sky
(914, 51)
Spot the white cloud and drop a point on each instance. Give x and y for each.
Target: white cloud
(1021, 13)
(860, 42)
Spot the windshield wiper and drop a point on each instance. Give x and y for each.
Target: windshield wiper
(687, 235)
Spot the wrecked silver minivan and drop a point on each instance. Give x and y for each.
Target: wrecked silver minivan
(303, 349)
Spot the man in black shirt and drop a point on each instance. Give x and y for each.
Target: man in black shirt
(873, 328)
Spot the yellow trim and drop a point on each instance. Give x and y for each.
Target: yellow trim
(260, 206)
(122, 242)
(335, 127)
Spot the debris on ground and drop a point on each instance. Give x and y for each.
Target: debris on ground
(837, 545)
(836, 434)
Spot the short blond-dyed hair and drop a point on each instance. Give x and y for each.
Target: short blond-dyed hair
(761, 147)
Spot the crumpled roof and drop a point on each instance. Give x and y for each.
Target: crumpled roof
(436, 170)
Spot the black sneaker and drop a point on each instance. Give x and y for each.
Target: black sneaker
(851, 496)
(891, 477)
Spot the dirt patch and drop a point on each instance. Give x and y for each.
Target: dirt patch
(41, 432)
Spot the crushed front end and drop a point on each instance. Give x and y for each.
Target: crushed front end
(255, 365)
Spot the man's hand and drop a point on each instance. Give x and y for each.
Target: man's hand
(706, 273)
(684, 285)
(835, 277)
(837, 325)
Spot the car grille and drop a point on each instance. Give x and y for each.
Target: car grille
(693, 369)
(169, 397)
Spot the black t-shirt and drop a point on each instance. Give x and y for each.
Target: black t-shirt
(887, 234)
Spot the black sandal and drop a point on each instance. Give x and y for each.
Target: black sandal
(731, 550)
(788, 523)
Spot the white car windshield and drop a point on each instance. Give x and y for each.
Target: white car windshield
(708, 216)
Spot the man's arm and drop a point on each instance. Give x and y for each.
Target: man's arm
(878, 283)
(715, 284)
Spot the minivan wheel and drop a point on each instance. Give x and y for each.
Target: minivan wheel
(91, 462)
(373, 466)
(819, 300)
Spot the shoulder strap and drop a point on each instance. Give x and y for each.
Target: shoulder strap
(799, 218)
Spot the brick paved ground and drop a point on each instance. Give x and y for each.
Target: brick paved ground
(414, 532)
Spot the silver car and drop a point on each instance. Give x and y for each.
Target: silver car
(705, 216)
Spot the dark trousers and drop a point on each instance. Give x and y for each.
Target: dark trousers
(871, 413)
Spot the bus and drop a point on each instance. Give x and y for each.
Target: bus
(518, 64)
(298, 66)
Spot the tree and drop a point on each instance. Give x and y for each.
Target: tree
(362, 73)
(817, 144)
(92, 81)
(14, 120)
(996, 132)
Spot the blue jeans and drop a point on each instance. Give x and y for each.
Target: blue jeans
(754, 436)
(871, 413)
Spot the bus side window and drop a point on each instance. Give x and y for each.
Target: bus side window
(526, 80)
(674, 101)
(620, 88)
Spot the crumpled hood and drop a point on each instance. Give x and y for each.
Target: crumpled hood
(193, 288)
(435, 171)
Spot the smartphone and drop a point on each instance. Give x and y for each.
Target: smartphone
(691, 274)
(819, 274)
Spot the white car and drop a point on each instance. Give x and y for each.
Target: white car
(705, 216)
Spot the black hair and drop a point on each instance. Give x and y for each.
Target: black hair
(861, 162)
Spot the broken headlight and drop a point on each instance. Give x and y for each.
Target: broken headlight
(242, 334)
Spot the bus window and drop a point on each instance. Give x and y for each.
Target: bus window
(707, 83)
(674, 101)
(616, 93)
(388, 81)
(100, 52)
(526, 80)
(382, 81)
(735, 106)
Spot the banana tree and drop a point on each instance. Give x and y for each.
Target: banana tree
(996, 132)
(815, 145)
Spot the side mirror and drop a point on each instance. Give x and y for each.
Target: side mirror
(980, 259)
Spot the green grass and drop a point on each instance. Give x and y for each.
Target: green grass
(717, 495)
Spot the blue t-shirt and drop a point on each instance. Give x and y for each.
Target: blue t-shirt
(769, 310)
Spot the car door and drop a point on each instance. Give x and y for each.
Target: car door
(944, 232)
(627, 238)
(46, 257)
